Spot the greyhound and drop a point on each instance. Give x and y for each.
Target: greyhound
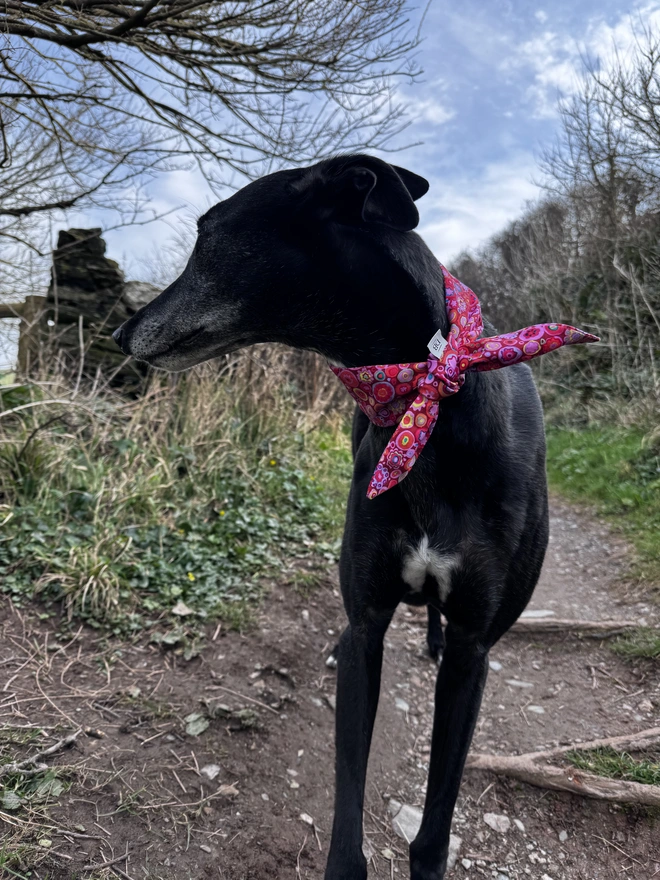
(324, 258)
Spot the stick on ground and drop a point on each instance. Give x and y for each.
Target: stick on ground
(534, 769)
(19, 766)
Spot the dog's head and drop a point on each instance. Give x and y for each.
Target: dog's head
(267, 260)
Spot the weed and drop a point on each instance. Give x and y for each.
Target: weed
(642, 642)
(616, 765)
(192, 494)
(618, 469)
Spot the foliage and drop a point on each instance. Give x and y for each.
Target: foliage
(618, 469)
(120, 511)
(616, 765)
(587, 253)
(643, 642)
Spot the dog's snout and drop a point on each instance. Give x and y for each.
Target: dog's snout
(118, 336)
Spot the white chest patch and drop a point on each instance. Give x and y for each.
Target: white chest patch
(421, 561)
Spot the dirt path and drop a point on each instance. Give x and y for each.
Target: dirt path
(146, 783)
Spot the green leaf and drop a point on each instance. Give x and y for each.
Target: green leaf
(196, 723)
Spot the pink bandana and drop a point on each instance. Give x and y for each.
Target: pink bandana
(407, 395)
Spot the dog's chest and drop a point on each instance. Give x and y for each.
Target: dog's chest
(426, 571)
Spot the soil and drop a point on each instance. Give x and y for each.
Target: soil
(139, 782)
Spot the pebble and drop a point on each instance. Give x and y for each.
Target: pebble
(537, 710)
(497, 822)
(210, 771)
(495, 665)
(401, 704)
(519, 825)
(467, 864)
(205, 848)
(563, 836)
(305, 615)
(405, 820)
(515, 682)
(264, 797)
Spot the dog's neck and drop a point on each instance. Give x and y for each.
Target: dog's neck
(385, 312)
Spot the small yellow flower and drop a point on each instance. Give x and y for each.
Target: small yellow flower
(272, 461)
(312, 478)
(222, 513)
(191, 576)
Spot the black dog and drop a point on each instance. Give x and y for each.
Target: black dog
(323, 258)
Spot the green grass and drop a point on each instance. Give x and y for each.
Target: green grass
(643, 642)
(618, 470)
(189, 497)
(616, 765)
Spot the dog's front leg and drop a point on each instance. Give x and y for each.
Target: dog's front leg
(358, 685)
(459, 688)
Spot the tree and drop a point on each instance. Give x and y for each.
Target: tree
(97, 96)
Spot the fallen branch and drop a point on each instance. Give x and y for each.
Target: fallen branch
(568, 779)
(531, 769)
(23, 766)
(598, 628)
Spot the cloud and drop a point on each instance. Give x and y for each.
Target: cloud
(557, 60)
(463, 212)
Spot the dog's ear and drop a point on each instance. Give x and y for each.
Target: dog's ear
(378, 194)
(416, 185)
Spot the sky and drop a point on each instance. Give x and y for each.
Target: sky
(480, 116)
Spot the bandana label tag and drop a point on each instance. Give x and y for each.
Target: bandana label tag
(438, 344)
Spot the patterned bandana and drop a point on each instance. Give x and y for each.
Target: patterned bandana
(407, 395)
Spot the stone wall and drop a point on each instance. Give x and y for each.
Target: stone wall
(88, 298)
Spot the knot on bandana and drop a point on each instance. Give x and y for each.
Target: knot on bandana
(407, 395)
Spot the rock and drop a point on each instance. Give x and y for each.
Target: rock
(454, 848)
(405, 820)
(401, 704)
(495, 665)
(331, 662)
(305, 615)
(467, 864)
(497, 822)
(537, 710)
(210, 771)
(563, 836)
(515, 682)
(205, 848)
(306, 818)
(519, 825)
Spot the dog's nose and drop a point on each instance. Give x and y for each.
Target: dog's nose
(118, 337)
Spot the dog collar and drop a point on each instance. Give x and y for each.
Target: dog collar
(408, 395)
